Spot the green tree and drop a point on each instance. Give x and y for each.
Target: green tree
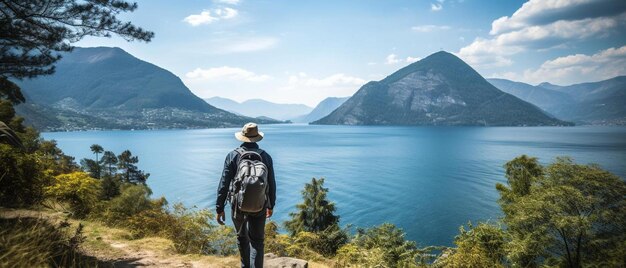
(390, 242)
(22, 177)
(97, 149)
(132, 174)
(109, 160)
(571, 215)
(90, 166)
(483, 245)
(32, 33)
(315, 213)
(110, 187)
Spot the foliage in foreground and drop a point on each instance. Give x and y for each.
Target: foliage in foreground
(31, 242)
(564, 214)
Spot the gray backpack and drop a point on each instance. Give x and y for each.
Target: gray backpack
(249, 189)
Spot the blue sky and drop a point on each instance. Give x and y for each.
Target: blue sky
(304, 51)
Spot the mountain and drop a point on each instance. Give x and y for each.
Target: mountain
(441, 89)
(113, 86)
(546, 99)
(259, 107)
(223, 103)
(547, 85)
(586, 103)
(322, 109)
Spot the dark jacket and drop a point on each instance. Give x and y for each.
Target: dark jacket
(230, 169)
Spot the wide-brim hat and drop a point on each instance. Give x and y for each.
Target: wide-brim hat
(249, 133)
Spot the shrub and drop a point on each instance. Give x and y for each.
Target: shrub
(388, 240)
(275, 242)
(479, 246)
(110, 187)
(132, 200)
(21, 178)
(192, 232)
(77, 189)
(30, 242)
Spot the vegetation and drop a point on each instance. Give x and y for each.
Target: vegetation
(54, 245)
(32, 34)
(563, 214)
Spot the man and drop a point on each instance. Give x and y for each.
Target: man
(250, 227)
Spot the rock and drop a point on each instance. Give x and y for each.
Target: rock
(284, 262)
(269, 256)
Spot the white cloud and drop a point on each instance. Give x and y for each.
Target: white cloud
(334, 80)
(545, 24)
(576, 68)
(392, 59)
(436, 7)
(430, 28)
(229, 2)
(209, 16)
(226, 73)
(410, 59)
(541, 12)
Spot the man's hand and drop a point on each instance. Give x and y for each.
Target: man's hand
(268, 213)
(221, 218)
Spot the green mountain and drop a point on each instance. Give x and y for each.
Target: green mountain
(546, 99)
(120, 91)
(324, 108)
(259, 107)
(441, 89)
(586, 103)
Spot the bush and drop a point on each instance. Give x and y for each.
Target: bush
(192, 232)
(390, 240)
(30, 242)
(21, 178)
(77, 189)
(275, 242)
(479, 246)
(351, 255)
(110, 187)
(132, 200)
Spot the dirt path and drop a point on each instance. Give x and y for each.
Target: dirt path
(115, 248)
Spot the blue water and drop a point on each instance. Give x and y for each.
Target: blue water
(426, 180)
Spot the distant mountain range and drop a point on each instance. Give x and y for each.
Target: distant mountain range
(324, 108)
(441, 89)
(105, 87)
(259, 107)
(600, 102)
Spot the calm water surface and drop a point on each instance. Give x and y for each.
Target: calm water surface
(427, 180)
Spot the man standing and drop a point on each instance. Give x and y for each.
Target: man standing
(259, 174)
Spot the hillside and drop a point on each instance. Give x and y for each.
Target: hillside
(546, 99)
(586, 103)
(322, 109)
(120, 90)
(260, 108)
(105, 246)
(441, 89)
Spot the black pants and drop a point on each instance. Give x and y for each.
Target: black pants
(250, 237)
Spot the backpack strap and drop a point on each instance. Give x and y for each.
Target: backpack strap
(243, 152)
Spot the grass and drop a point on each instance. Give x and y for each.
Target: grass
(26, 232)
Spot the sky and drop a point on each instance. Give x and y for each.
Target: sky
(289, 51)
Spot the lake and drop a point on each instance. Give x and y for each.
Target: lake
(426, 180)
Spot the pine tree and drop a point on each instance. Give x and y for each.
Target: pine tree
(131, 173)
(97, 149)
(315, 213)
(34, 32)
(109, 160)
